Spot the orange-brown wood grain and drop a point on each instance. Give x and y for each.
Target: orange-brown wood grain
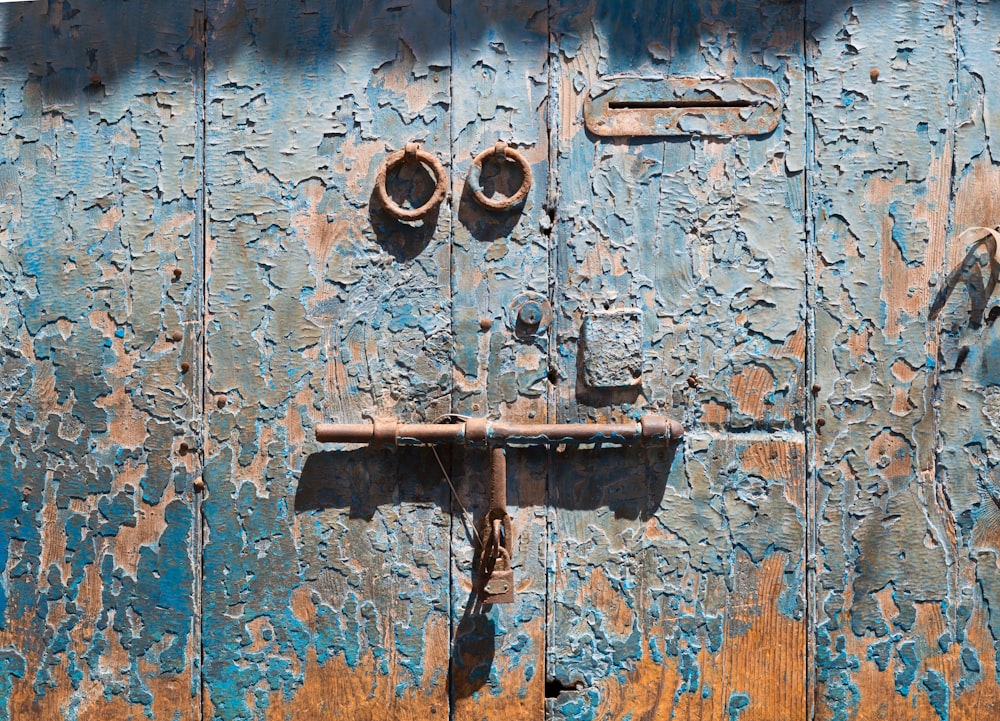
(880, 700)
(171, 696)
(762, 659)
(903, 494)
(333, 690)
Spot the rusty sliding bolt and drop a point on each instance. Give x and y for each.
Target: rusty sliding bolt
(495, 582)
(496, 574)
(482, 432)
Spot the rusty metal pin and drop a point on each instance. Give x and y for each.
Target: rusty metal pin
(498, 479)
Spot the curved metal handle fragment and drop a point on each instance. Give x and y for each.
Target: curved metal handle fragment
(501, 149)
(412, 153)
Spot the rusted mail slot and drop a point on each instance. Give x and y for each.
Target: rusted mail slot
(626, 106)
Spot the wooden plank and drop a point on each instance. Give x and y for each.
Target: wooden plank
(99, 189)
(326, 573)
(500, 88)
(702, 239)
(683, 592)
(899, 167)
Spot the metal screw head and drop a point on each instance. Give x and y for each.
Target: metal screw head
(530, 313)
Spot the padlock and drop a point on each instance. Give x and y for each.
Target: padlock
(498, 584)
(496, 574)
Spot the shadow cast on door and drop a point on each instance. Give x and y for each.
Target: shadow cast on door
(628, 482)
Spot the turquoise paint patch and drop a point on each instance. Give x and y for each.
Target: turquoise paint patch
(907, 673)
(655, 654)
(737, 703)
(937, 693)
(970, 660)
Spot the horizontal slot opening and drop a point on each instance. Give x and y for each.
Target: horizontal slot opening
(667, 104)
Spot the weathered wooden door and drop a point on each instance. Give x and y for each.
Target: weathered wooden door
(651, 581)
(646, 580)
(195, 271)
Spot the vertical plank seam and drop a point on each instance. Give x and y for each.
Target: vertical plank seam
(199, 519)
(551, 203)
(452, 499)
(952, 574)
(809, 466)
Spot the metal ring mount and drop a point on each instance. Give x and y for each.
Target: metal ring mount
(412, 153)
(505, 151)
(495, 520)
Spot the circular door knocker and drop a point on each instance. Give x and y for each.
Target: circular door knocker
(502, 150)
(412, 153)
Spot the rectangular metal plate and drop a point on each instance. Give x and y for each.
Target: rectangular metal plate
(671, 106)
(612, 348)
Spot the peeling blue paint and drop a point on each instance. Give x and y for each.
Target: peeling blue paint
(95, 218)
(737, 703)
(319, 308)
(937, 693)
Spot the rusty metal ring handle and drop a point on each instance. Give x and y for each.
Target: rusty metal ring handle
(412, 153)
(504, 151)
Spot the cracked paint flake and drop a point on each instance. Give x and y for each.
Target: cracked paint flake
(326, 576)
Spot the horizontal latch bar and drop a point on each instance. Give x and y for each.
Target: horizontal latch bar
(480, 431)
(665, 106)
